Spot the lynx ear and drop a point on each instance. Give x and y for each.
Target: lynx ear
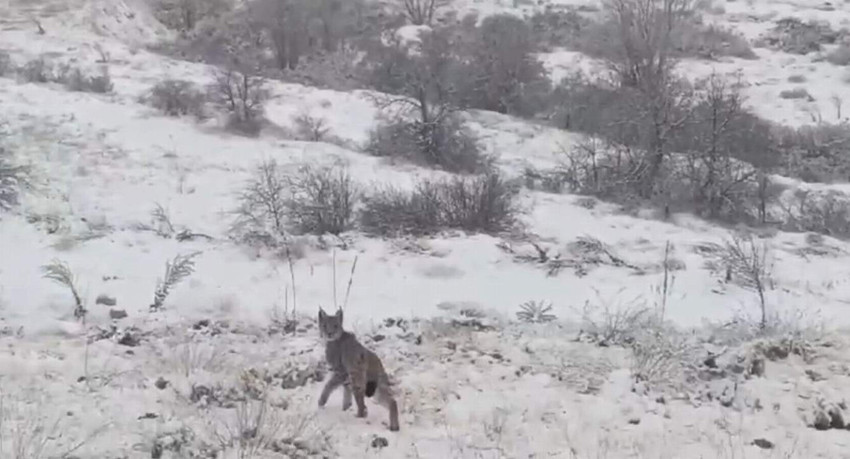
(339, 314)
(322, 314)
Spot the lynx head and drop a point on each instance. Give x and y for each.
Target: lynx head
(330, 327)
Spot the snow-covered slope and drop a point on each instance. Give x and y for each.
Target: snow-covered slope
(102, 163)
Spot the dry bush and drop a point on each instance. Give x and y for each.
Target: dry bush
(579, 32)
(241, 95)
(262, 204)
(711, 42)
(6, 65)
(663, 358)
(38, 70)
(485, 204)
(797, 37)
(312, 200)
(609, 324)
(822, 213)
(421, 12)
(184, 15)
(815, 153)
(442, 143)
(59, 272)
(177, 98)
(13, 178)
(503, 73)
(840, 55)
(75, 80)
(748, 264)
(535, 312)
(310, 128)
(321, 200)
(796, 93)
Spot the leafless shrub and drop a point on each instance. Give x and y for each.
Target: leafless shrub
(75, 80)
(535, 312)
(503, 73)
(815, 153)
(748, 264)
(485, 203)
(663, 358)
(13, 177)
(796, 93)
(242, 96)
(177, 98)
(711, 42)
(257, 427)
(6, 66)
(176, 270)
(840, 55)
(311, 128)
(38, 70)
(59, 272)
(794, 36)
(321, 200)
(614, 325)
(27, 433)
(184, 15)
(421, 12)
(823, 213)
(262, 203)
(443, 143)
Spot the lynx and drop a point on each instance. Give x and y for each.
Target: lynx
(356, 368)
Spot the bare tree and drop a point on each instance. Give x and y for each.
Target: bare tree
(749, 265)
(242, 95)
(422, 86)
(185, 14)
(506, 76)
(645, 65)
(421, 12)
(285, 23)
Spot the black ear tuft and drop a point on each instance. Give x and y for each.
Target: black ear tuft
(339, 314)
(322, 314)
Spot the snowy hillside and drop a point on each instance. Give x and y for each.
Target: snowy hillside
(235, 348)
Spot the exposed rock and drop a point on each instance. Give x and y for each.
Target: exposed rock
(822, 421)
(106, 300)
(763, 443)
(117, 314)
(161, 383)
(380, 442)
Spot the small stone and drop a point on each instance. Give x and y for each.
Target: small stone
(161, 383)
(116, 314)
(634, 421)
(822, 421)
(757, 367)
(380, 442)
(129, 339)
(836, 418)
(149, 416)
(203, 323)
(497, 356)
(763, 443)
(379, 337)
(105, 300)
(81, 379)
(814, 375)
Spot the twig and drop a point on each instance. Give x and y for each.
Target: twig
(333, 255)
(292, 278)
(350, 281)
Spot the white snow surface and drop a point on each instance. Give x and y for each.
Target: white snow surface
(518, 390)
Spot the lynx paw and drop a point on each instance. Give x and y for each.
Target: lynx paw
(361, 413)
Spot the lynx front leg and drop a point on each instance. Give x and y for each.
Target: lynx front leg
(336, 380)
(346, 396)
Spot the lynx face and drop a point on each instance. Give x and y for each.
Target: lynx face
(330, 327)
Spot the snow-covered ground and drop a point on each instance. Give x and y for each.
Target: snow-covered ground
(185, 376)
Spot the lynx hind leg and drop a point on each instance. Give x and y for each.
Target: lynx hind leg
(384, 397)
